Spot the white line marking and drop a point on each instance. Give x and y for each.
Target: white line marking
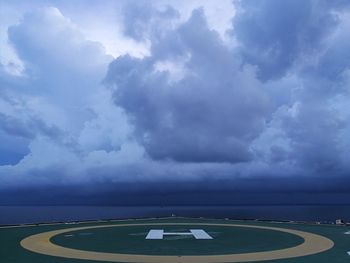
(177, 234)
(347, 233)
(155, 234)
(200, 234)
(196, 233)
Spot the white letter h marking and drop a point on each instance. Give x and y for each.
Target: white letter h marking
(159, 234)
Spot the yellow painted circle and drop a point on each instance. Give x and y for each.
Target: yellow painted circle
(313, 243)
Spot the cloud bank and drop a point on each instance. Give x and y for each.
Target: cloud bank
(268, 98)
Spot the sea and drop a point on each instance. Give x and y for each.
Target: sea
(10, 215)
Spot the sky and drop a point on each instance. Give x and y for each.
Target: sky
(201, 101)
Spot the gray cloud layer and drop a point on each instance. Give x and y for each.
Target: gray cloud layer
(271, 100)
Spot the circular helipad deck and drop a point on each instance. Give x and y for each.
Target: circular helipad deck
(177, 242)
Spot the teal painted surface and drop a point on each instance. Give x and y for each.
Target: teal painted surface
(131, 240)
(12, 252)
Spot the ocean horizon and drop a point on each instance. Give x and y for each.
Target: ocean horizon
(10, 215)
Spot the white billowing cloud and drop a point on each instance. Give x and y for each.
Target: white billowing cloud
(106, 29)
(108, 129)
(59, 107)
(62, 69)
(8, 57)
(175, 68)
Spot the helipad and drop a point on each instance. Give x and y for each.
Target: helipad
(175, 240)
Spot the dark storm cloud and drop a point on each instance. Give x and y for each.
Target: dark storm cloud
(15, 127)
(314, 134)
(27, 128)
(210, 115)
(283, 89)
(274, 34)
(314, 190)
(19, 126)
(12, 149)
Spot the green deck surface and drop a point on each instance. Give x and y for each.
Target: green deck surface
(131, 240)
